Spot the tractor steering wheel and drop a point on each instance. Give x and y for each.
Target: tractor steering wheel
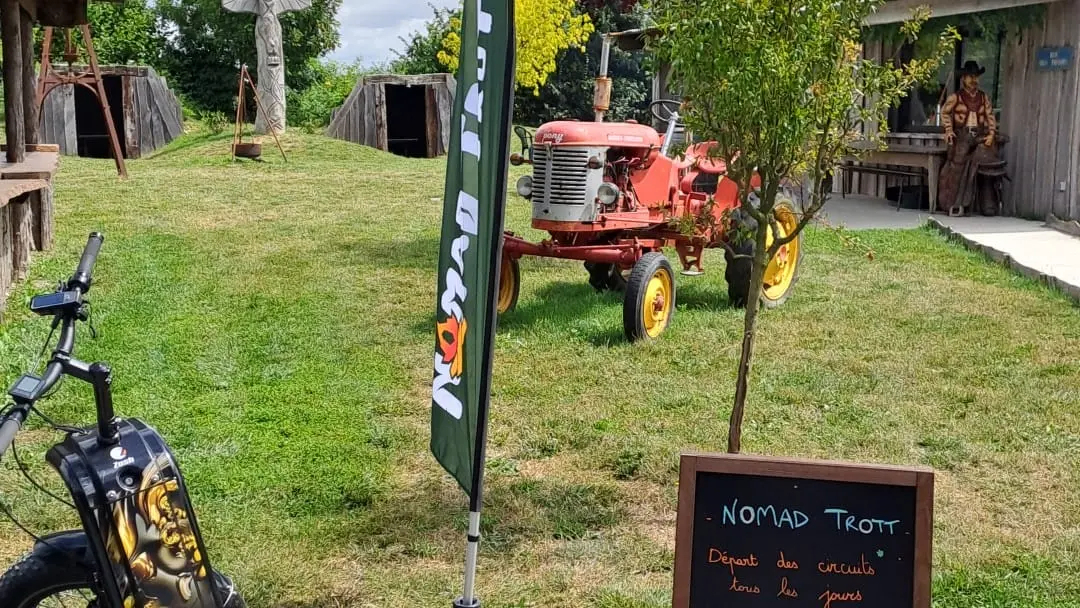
(663, 109)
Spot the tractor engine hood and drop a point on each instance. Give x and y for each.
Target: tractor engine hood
(598, 134)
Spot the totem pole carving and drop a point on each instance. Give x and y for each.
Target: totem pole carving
(271, 56)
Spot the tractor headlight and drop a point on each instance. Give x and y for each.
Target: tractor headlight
(525, 186)
(607, 193)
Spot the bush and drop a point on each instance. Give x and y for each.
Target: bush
(215, 122)
(310, 109)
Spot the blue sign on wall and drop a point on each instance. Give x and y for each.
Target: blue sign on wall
(1050, 58)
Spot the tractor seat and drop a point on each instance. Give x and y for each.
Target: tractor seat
(699, 154)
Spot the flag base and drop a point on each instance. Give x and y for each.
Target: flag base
(461, 603)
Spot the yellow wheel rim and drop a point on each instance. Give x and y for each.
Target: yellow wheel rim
(506, 286)
(656, 307)
(780, 273)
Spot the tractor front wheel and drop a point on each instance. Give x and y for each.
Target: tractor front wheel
(649, 300)
(782, 272)
(509, 284)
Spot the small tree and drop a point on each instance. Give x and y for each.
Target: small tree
(545, 28)
(420, 54)
(784, 90)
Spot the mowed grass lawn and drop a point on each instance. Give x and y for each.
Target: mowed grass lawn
(275, 322)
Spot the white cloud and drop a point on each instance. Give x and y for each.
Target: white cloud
(370, 29)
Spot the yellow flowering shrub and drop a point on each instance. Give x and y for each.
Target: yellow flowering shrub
(544, 28)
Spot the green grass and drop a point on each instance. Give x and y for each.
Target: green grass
(274, 321)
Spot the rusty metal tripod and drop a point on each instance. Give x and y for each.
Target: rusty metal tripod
(50, 79)
(238, 130)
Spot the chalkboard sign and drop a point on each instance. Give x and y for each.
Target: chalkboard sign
(756, 532)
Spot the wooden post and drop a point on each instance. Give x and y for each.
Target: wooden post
(43, 220)
(14, 121)
(23, 208)
(6, 265)
(30, 100)
(22, 235)
(113, 139)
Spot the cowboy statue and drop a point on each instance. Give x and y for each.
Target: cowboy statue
(972, 175)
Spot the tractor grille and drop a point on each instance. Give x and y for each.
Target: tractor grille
(560, 175)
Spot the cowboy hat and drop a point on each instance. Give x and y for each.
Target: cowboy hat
(972, 67)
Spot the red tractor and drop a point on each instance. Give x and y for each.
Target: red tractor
(612, 195)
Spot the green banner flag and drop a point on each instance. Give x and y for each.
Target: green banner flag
(472, 239)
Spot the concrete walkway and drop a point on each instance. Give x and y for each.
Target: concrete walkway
(1031, 248)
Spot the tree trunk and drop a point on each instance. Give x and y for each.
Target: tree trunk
(753, 305)
(30, 100)
(11, 29)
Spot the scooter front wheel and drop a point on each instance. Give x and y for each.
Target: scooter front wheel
(47, 579)
(58, 574)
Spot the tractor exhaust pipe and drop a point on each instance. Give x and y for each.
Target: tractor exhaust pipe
(602, 90)
(669, 134)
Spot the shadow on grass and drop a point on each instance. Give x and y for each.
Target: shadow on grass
(526, 508)
(193, 140)
(563, 301)
(574, 307)
(421, 253)
(694, 294)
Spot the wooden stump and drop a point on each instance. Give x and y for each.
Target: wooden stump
(41, 208)
(6, 264)
(22, 236)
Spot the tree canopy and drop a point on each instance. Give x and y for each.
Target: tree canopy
(125, 32)
(206, 44)
(545, 28)
(421, 52)
(568, 92)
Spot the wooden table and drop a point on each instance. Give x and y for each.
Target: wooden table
(38, 165)
(929, 157)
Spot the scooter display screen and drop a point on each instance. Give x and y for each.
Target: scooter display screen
(51, 302)
(24, 387)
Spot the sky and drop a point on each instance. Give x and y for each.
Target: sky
(370, 29)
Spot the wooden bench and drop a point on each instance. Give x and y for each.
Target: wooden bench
(26, 213)
(850, 168)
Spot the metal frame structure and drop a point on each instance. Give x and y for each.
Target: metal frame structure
(92, 80)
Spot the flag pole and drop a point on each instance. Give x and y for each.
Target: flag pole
(468, 598)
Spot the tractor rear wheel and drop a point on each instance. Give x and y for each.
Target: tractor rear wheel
(509, 284)
(649, 301)
(605, 277)
(781, 274)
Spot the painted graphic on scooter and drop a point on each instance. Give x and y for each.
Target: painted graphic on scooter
(153, 535)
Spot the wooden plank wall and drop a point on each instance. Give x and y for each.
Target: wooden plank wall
(58, 119)
(362, 118)
(876, 186)
(1040, 115)
(355, 120)
(159, 117)
(152, 113)
(444, 100)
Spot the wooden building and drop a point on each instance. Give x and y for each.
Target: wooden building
(1033, 80)
(404, 115)
(26, 201)
(146, 113)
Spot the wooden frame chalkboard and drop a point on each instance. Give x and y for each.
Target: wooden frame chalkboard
(920, 480)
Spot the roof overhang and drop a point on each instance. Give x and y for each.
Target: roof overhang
(57, 13)
(897, 11)
(633, 40)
